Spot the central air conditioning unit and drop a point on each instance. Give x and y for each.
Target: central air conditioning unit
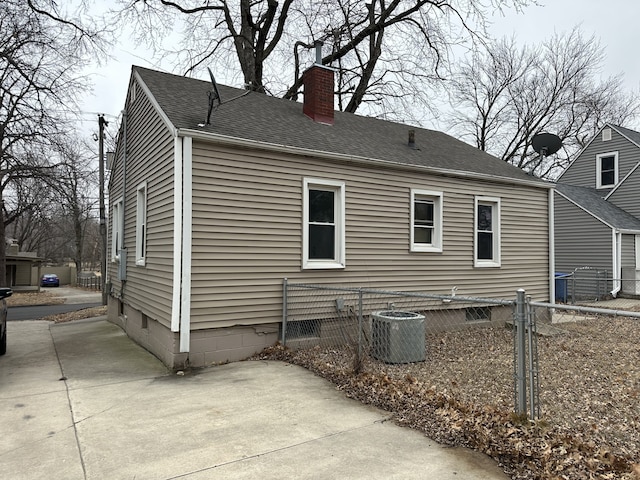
(398, 337)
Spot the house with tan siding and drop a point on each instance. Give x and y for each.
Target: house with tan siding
(597, 212)
(207, 219)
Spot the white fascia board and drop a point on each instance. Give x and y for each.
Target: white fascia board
(156, 106)
(614, 189)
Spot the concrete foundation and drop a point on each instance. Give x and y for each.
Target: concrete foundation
(207, 347)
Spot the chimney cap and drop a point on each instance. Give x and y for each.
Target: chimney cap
(318, 45)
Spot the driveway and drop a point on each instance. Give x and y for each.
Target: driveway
(82, 401)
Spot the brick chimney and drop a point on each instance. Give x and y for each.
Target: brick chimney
(318, 90)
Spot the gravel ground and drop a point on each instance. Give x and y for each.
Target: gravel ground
(463, 394)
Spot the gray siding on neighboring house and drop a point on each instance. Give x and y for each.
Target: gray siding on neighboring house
(247, 234)
(150, 150)
(582, 171)
(628, 253)
(580, 239)
(627, 196)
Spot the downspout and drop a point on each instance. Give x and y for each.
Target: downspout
(617, 262)
(123, 250)
(187, 209)
(552, 248)
(177, 234)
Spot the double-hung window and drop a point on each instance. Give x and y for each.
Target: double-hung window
(141, 224)
(487, 232)
(323, 233)
(116, 230)
(426, 221)
(606, 170)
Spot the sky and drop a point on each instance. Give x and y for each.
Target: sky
(613, 23)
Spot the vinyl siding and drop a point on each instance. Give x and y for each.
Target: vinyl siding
(247, 234)
(150, 150)
(580, 239)
(628, 253)
(582, 172)
(627, 196)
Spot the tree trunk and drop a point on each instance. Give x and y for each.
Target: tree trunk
(3, 247)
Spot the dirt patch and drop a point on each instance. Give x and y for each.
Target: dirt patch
(22, 299)
(77, 315)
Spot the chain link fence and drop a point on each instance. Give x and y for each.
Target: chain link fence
(572, 371)
(484, 350)
(584, 284)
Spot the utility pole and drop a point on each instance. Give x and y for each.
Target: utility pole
(103, 219)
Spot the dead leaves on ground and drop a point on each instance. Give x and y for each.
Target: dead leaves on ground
(553, 448)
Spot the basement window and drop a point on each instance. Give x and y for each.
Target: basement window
(303, 329)
(478, 314)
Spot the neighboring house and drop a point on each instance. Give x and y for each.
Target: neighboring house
(23, 269)
(207, 220)
(597, 210)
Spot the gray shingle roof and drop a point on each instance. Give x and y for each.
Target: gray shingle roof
(263, 118)
(630, 134)
(590, 200)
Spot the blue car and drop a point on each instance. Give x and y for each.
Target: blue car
(49, 280)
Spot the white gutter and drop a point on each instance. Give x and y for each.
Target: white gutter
(177, 233)
(272, 147)
(187, 212)
(617, 262)
(552, 249)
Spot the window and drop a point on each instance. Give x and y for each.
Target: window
(116, 230)
(141, 224)
(606, 170)
(487, 232)
(426, 221)
(323, 235)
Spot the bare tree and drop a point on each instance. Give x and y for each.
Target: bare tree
(504, 95)
(385, 50)
(73, 180)
(42, 51)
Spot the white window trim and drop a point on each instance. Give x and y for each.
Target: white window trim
(339, 218)
(496, 224)
(436, 244)
(599, 157)
(116, 229)
(637, 251)
(141, 219)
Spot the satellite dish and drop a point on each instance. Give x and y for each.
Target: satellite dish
(546, 143)
(214, 94)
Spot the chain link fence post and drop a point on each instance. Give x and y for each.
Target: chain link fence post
(285, 283)
(534, 393)
(520, 339)
(360, 320)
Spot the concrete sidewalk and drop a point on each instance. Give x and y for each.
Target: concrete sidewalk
(81, 401)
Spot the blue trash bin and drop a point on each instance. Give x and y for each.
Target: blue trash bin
(561, 287)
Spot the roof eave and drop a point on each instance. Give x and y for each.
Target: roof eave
(272, 147)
